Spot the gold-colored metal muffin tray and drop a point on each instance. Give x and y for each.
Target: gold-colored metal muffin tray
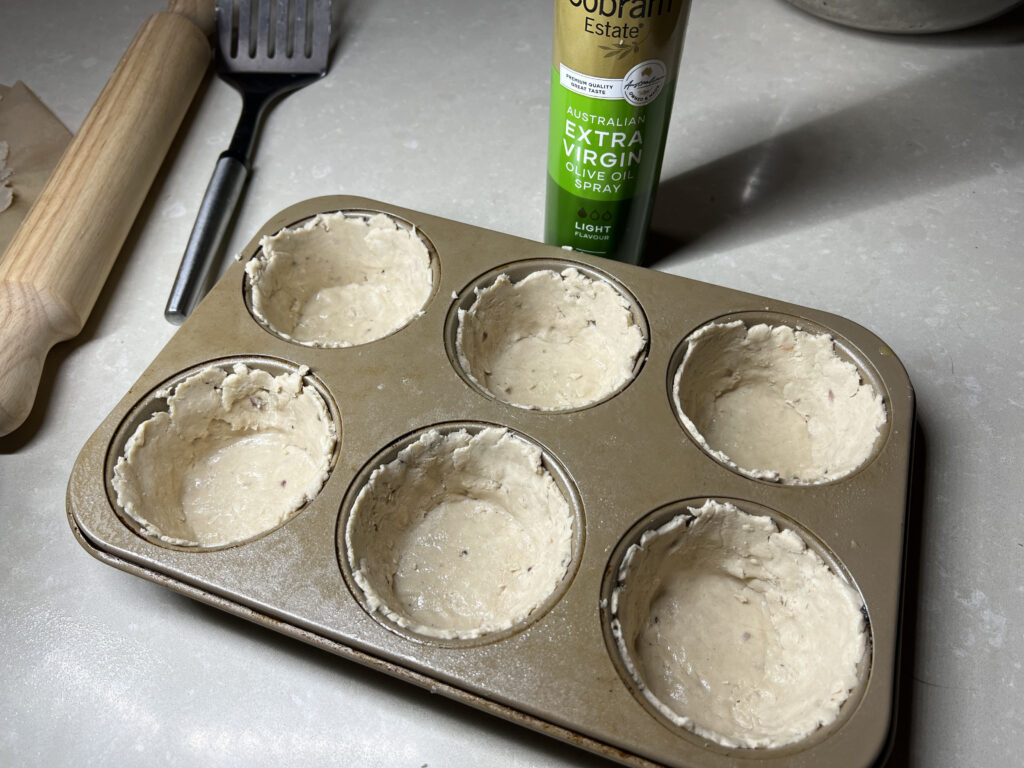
(622, 460)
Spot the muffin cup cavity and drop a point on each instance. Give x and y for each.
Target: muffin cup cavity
(777, 399)
(547, 335)
(460, 534)
(341, 279)
(223, 453)
(729, 623)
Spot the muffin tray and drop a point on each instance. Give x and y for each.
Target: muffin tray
(623, 463)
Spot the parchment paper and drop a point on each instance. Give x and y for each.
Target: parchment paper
(35, 139)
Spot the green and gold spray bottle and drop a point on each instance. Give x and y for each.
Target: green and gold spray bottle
(612, 82)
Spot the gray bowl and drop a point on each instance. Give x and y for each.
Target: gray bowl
(906, 16)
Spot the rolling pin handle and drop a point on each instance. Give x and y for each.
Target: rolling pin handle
(58, 260)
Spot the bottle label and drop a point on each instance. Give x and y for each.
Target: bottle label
(600, 143)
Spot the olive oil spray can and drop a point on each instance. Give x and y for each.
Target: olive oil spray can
(613, 79)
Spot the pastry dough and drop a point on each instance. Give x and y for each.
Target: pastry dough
(461, 535)
(338, 281)
(235, 455)
(776, 403)
(550, 341)
(736, 630)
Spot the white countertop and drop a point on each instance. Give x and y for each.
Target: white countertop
(879, 178)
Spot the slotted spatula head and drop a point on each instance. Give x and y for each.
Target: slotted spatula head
(266, 49)
(274, 36)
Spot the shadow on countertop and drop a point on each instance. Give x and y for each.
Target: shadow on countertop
(936, 131)
(901, 753)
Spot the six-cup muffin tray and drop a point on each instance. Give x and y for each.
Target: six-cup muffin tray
(620, 461)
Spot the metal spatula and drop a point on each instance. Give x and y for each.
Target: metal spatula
(266, 49)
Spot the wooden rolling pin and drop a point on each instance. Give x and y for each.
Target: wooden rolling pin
(56, 264)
